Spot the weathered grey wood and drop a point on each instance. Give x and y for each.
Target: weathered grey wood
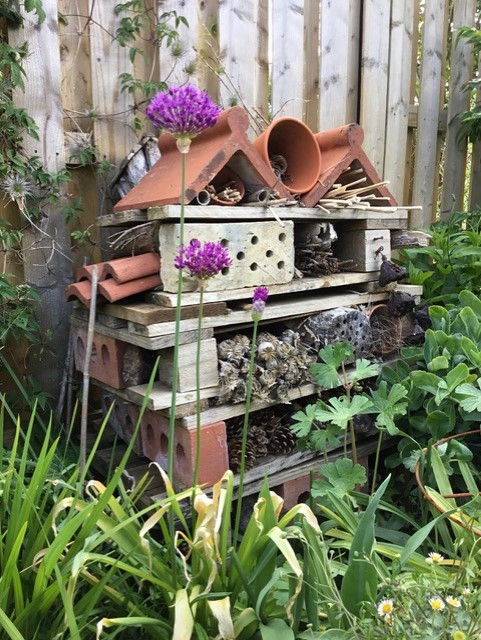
(401, 44)
(296, 306)
(172, 212)
(187, 363)
(153, 344)
(46, 249)
(295, 286)
(374, 79)
(160, 396)
(145, 313)
(461, 71)
(363, 249)
(430, 91)
(340, 29)
(288, 59)
(122, 218)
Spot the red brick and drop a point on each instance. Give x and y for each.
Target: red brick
(107, 357)
(214, 457)
(294, 491)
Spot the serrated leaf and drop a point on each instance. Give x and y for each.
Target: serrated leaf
(388, 404)
(341, 410)
(339, 477)
(364, 369)
(325, 439)
(325, 375)
(438, 363)
(472, 396)
(303, 421)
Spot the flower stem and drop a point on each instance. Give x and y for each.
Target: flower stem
(245, 426)
(197, 388)
(173, 402)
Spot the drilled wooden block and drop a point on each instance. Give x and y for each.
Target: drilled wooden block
(262, 253)
(362, 250)
(186, 369)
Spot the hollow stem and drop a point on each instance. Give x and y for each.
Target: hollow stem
(197, 387)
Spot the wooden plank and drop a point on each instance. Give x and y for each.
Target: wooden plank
(464, 14)
(243, 28)
(311, 70)
(114, 134)
(284, 309)
(192, 213)
(393, 223)
(340, 30)
(187, 366)
(288, 59)
(122, 218)
(363, 248)
(374, 80)
(148, 313)
(401, 43)
(46, 255)
(160, 396)
(226, 411)
(296, 286)
(431, 86)
(153, 344)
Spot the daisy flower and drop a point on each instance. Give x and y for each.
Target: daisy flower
(434, 557)
(437, 604)
(385, 608)
(453, 602)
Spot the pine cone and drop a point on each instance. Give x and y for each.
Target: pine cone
(235, 451)
(282, 440)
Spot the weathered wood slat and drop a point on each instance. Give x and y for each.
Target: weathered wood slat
(459, 99)
(192, 213)
(292, 307)
(338, 75)
(374, 79)
(153, 344)
(145, 313)
(160, 396)
(288, 59)
(401, 43)
(430, 95)
(295, 286)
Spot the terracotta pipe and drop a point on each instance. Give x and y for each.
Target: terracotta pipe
(126, 269)
(113, 292)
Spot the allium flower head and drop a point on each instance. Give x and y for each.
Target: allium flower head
(183, 112)
(259, 299)
(385, 608)
(202, 261)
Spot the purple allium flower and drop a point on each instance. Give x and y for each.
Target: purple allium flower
(259, 299)
(202, 261)
(183, 111)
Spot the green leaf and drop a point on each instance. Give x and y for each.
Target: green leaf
(276, 629)
(467, 323)
(440, 318)
(303, 421)
(438, 363)
(469, 299)
(339, 477)
(471, 400)
(364, 369)
(343, 409)
(388, 404)
(426, 381)
(325, 373)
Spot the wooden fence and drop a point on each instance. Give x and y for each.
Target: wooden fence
(390, 65)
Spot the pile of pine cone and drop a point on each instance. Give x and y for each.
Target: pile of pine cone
(280, 364)
(268, 433)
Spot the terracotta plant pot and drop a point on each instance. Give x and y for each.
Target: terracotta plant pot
(291, 140)
(386, 330)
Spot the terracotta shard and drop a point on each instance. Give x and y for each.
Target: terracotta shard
(225, 144)
(112, 291)
(85, 272)
(340, 149)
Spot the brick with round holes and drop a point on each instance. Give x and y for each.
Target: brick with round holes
(106, 360)
(214, 459)
(262, 253)
(294, 491)
(123, 418)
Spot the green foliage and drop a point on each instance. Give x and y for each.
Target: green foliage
(452, 261)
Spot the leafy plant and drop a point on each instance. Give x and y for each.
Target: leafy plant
(451, 262)
(324, 424)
